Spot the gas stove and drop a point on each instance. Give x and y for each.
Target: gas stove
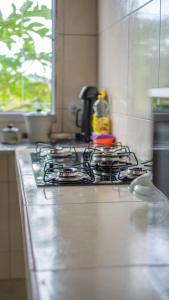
(70, 165)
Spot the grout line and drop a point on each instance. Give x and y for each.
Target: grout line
(82, 203)
(131, 116)
(159, 52)
(78, 34)
(63, 93)
(9, 218)
(111, 267)
(128, 63)
(63, 66)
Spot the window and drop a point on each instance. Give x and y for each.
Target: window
(25, 55)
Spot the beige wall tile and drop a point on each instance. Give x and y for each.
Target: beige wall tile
(106, 43)
(3, 167)
(68, 123)
(15, 230)
(79, 66)
(164, 45)
(59, 16)
(11, 167)
(59, 72)
(4, 216)
(17, 265)
(13, 289)
(58, 126)
(80, 16)
(4, 265)
(143, 58)
(76, 59)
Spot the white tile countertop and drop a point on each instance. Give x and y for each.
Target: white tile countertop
(90, 242)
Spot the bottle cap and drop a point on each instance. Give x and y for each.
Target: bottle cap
(102, 95)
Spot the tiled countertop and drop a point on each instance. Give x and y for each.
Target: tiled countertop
(91, 243)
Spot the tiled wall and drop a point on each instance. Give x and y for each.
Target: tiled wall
(11, 248)
(133, 57)
(76, 56)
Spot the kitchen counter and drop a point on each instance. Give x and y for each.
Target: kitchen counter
(90, 242)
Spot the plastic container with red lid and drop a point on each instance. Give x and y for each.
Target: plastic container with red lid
(103, 140)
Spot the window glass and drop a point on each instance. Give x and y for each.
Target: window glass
(25, 55)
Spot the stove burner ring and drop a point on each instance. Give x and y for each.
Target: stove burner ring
(110, 163)
(56, 149)
(105, 150)
(65, 177)
(109, 157)
(58, 152)
(135, 171)
(102, 155)
(67, 172)
(63, 154)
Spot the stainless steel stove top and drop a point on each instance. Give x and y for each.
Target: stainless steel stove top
(68, 165)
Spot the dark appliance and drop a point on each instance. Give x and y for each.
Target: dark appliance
(161, 151)
(88, 96)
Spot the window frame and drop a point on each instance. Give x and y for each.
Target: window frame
(19, 116)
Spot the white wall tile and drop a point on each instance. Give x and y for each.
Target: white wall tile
(111, 11)
(134, 132)
(113, 64)
(128, 65)
(164, 45)
(139, 137)
(119, 126)
(143, 58)
(136, 4)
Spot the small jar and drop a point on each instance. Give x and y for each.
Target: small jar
(10, 135)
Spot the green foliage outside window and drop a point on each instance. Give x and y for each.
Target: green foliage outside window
(23, 89)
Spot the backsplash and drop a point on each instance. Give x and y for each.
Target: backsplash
(133, 57)
(76, 59)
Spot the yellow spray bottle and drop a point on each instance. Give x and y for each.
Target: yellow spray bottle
(100, 119)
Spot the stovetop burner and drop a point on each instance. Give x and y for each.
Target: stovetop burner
(48, 152)
(66, 165)
(131, 173)
(59, 174)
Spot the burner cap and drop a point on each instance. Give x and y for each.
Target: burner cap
(59, 152)
(67, 172)
(136, 171)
